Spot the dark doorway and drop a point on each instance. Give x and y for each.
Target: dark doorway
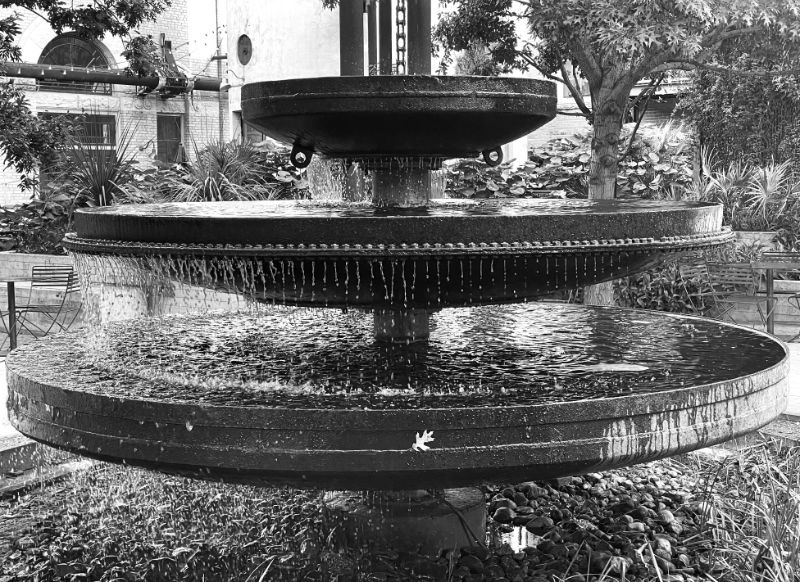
(169, 139)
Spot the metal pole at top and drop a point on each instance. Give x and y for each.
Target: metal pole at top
(351, 38)
(372, 36)
(385, 36)
(419, 37)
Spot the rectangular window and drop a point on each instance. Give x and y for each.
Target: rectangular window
(169, 139)
(97, 131)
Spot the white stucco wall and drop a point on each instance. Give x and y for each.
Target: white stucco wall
(290, 40)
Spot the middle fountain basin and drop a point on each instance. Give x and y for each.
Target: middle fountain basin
(455, 252)
(696, 383)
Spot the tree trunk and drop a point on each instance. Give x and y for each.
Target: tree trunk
(603, 168)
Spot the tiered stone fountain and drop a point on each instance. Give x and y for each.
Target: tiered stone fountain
(453, 380)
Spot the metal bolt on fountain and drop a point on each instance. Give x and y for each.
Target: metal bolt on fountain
(440, 372)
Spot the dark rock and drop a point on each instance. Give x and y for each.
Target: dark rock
(536, 492)
(540, 525)
(559, 481)
(504, 550)
(461, 572)
(472, 563)
(505, 502)
(624, 506)
(508, 492)
(493, 572)
(503, 515)
(665, 565)
(599, 561)
(521, 519)
(480, 552)
(520, 498)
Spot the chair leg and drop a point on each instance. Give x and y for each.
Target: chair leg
(6, 332)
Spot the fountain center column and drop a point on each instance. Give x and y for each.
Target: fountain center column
(402, 325)
(401, 188)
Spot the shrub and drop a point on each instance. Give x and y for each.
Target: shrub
(658, 166)
(38, 226)
(662, 289)
(229, 171)
(754, 197)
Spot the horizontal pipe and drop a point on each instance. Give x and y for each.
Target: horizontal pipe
(111, 76)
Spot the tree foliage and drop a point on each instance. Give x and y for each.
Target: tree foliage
(612, 45)
(747, 117)
(24, 138)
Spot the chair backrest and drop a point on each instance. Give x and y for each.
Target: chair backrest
(732, 277)
(57, 276)
(694, 271)
(781, 255)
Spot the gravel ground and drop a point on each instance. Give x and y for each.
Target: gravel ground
(111, 523)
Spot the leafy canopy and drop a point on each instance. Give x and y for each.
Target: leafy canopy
(611, 45)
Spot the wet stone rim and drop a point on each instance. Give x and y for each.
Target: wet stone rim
(425, 92)
(558, 247)
(455, 223)
(329, 448)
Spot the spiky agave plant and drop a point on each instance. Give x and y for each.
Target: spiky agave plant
(223, 171)
(94, 175)
(768, 191)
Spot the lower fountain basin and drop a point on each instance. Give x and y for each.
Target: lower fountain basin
(609, 400)
(455, 252)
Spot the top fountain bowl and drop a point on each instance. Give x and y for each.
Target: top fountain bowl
(378, 118)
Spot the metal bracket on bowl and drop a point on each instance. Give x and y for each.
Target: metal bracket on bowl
(301, 157)
(493, 157)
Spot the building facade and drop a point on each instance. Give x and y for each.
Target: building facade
(157, 128)
(286, 40)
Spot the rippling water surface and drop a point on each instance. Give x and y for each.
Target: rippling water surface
(520, 354)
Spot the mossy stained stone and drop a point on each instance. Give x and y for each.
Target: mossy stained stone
(453, 253)
(395, 119)
(360, 448)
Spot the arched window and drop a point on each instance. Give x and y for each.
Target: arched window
(71, 50)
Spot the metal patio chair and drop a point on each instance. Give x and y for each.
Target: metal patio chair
(53, 302)
(734, 285)
(793, 299)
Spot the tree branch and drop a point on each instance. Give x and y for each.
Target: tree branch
(714, 38)
(574, 90)
(573, 113)
(588, 64)
(649, 91)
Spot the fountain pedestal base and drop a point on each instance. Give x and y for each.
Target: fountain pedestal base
(402, 325)
(411, 521)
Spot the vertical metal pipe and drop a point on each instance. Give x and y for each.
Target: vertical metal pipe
(385, 36)
(351, 37)
(419, 37)
(222, 108)
(372, 36)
